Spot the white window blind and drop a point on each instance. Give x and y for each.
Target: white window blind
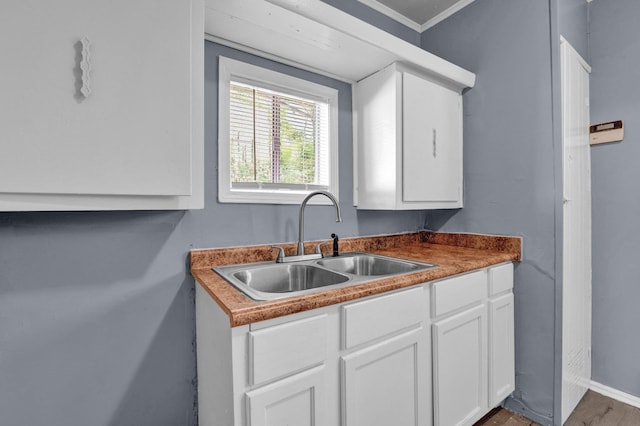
(277, 136)
(277, 140)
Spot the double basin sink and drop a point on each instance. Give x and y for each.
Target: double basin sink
(270, 281)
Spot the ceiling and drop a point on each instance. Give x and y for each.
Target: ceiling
(417, 14)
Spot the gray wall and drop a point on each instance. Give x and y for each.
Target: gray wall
(510, 161)
(615, 94)
(573, 16)
(97, 319)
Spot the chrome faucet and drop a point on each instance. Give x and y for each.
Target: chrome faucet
(300, 249)
(330, 196)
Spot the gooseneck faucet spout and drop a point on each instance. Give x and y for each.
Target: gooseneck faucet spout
(330, 196)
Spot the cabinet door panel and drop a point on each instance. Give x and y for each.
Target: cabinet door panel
(387, 383)
(297, 400)
(131, 135)
(501, 349)
(460, 368)
(431, 143)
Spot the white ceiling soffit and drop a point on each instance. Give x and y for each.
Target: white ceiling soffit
(417, 14)
(313, 35)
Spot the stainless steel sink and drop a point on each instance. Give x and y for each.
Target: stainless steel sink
(288, 278)
(270, 281)
(367, 264)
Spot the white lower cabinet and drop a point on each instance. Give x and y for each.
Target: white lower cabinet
(287, 372)
(386, 376)
(364, 363)
(473, 351)
(460, 367)
(501, 334)
(501, 359)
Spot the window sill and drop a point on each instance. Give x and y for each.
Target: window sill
(272, 197)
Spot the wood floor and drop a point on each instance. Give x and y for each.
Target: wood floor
(593, 410)
(502, 417)
(598, 410)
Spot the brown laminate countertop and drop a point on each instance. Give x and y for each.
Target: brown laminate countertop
(453, 253)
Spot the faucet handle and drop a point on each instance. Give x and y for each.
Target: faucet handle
(318, 249)
(280, 257)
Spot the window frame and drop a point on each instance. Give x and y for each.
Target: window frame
(231, 69)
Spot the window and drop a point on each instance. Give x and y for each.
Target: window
(278, 136)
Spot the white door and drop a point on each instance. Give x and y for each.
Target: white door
(576, 274)
(386, 383)
(460, 368)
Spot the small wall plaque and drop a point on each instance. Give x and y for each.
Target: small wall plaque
(612, 131)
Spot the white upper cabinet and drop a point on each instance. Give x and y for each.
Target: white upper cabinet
(102, 105)
(408, 142)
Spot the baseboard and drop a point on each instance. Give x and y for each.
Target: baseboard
(615, 394)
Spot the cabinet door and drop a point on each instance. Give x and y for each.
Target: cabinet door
(501, 349)
(460, 368)
(387, 383)
(297, 400)
(431, 142)
(110, 117)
